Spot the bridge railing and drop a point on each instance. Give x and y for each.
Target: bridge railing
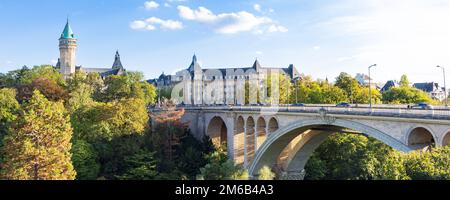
(383, 111)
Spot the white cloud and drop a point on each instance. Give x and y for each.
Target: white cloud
(167, 5)
(231, 23)
(53, 61)
(150, 27)
(150, 5)
(151, 24)
(257, 7)
(138, 24)
(165, 24)
(259, 53)
(316, 48)
(277, 28)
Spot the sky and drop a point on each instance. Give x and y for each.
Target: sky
(321, 38)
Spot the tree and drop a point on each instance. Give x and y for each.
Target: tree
(392, 167)
(140, 166)
(39, 146)
(104, 121)
(219, 167)
(404, 81)
(191, 155)
(49, 88)
(354, 157)
(282, 93)
(85, 160)
(307, 90)
(429, 165)
(362, 96)
(316, 168)
(405, 95)
(168, 129)
(266, 174)
(349, 85)
(9, 108)
(44, 72)
(128, 85)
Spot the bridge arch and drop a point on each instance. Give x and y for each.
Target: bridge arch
(217, 131)
(446, 139)
(273, 125)
(250, 138)
(261, 131)
(269, 152)
(239, 141)
(419, 137)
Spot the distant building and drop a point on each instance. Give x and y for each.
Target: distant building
(199, 77)
(67, 60)
(362, 79)
(433, 90)
(389, 84)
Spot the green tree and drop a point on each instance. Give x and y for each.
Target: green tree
(354, 157)
(9, 108)
(282, 93)
(104, 121)
(140, 166)
(362, 96)
(219, 167)
(391, 167)
(316, 168)
(429, 165)
(128, 85)
(85, 160)
(39, 146)
(350, 86)
(191, 155)
(266, 174)
(404, 81)
(43, 72)
(405, 95)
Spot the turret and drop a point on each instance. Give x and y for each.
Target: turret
(67, 49)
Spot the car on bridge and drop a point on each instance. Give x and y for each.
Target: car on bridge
(423, 106)
(343, 105)
(299, 104)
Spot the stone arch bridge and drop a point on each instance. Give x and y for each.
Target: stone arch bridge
(284, 138)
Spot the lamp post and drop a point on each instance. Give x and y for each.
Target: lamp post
(370, 86)
(445, 86)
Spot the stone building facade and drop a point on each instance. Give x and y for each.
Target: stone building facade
(201, 86)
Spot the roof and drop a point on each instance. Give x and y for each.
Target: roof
(67, 33)
(427, 87)
(389, 85)
(194, 65)
(117, 63)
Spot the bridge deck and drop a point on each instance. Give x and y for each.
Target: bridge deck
(387, 111)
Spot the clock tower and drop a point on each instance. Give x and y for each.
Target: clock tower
(67, 50)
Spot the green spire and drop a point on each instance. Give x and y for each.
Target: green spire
(67, 33)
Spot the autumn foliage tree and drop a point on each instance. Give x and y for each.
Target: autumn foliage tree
(168, 129)
(50, 89)
(39, 146)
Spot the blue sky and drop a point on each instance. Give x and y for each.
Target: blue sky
(322, 37)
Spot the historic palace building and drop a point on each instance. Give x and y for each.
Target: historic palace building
(218, 86)
(67, 60)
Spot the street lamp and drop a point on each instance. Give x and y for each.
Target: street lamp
(370, 86)
(445, 86)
